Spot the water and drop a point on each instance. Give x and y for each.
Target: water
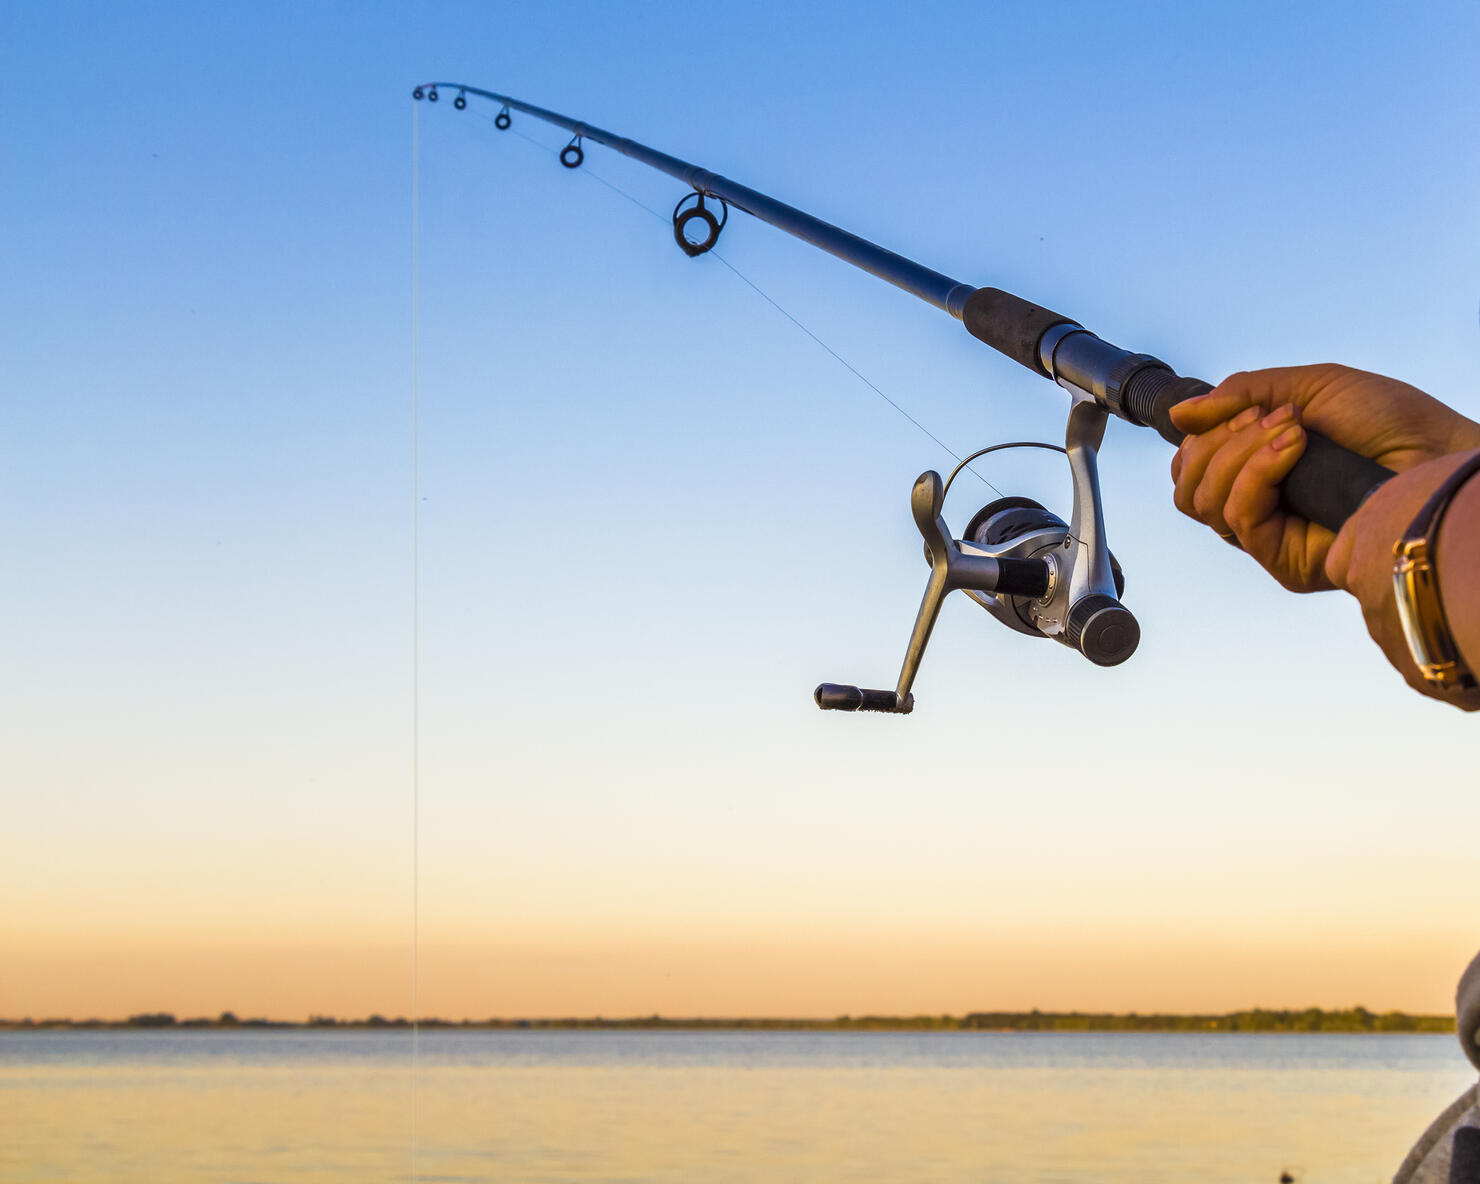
(716, 1107)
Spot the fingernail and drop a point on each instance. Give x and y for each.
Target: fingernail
(1244, 418)
(1288, 438)
(1279, 415)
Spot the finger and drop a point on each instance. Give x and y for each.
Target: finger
(1206, 411)
(1291, 549)
(1194, 453)
(1225, 465)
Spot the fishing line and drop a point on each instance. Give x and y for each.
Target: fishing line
(756, 288)
(948, 450)
(415, 632)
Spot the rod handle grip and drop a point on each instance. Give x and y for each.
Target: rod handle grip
(1010, 324)
(1328, 484)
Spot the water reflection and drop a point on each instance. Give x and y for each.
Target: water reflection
(560, 1107)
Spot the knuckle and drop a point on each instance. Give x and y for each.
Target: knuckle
(1236, 381)
(1227, 463)
(1294, 582)
(1248, 484)
(1198, 449)
(1205, 501)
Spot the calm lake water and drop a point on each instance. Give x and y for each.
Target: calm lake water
(714, 1107)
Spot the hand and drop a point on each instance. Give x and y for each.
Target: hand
(1361, 562)
(1245, 436)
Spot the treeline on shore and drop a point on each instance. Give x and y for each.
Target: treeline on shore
(1310, 1019)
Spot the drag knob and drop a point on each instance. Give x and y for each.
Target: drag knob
(1103, 630)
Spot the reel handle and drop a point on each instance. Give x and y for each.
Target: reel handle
(949, 569)
(834, 696)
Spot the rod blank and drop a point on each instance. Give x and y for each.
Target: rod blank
(930, 286)
(1327, 485)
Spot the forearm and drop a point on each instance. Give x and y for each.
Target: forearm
(1457, 560)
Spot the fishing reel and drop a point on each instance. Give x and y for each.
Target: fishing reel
(1022, 564)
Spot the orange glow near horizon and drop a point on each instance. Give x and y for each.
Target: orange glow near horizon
(631, 910)
(796, 974)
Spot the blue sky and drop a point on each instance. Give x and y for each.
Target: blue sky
(656, 514)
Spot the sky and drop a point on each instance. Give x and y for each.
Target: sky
(654, 513)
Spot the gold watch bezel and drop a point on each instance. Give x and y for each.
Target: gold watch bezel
(1421, 613)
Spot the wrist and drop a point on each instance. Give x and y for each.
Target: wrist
(1360, 560)
(1419, 590)
(1382, 518)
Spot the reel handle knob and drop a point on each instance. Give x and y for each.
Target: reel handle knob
(1102, 629)
(833, 696)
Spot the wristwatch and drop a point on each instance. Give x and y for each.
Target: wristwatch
(1416, 588)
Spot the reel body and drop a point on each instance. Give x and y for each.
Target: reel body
(1021, 528)
(1022, 563)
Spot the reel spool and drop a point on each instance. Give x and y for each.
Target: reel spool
(1003, 522)
(1022, 563)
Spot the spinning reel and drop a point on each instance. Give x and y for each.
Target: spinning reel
(1022, 564)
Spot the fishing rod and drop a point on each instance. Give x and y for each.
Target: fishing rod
(1021, 562)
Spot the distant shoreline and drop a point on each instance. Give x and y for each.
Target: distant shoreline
(1312, 1019)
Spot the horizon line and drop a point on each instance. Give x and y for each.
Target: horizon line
(1314, 1019)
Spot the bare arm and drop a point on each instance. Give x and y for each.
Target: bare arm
(1459, 578)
